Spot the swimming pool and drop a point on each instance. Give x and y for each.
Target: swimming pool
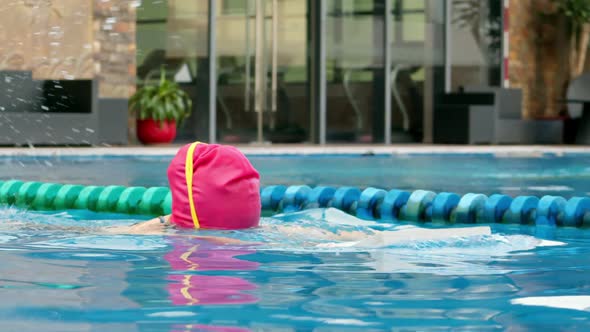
(60, 273)
(565, 175)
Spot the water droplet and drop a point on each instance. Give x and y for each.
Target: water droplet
(55, 32)
(58, 286)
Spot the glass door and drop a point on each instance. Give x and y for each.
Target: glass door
(354, 71)
(262, 83)
(172, 36)
(416, 57)
(475, 43)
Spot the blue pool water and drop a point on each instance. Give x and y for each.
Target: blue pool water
(61, 272)
(567, 175)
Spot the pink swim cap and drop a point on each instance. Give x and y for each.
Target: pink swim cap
(225, 188)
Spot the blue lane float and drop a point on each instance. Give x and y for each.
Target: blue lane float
(576, 213)
(418, 207)
(370, 203)
(295, 198)
(320, 197)
(470, 209)
(345, 199)
(392, 204)
(495, 207)
(443, 205)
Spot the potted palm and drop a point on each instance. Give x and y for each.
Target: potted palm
(577, 14)
(159, 110)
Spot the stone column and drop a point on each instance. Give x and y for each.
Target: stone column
(538, 56)
(114, 43)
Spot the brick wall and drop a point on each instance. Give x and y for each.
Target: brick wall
(114, 43)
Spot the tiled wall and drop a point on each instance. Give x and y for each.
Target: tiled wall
(71, 39)
(52, 38)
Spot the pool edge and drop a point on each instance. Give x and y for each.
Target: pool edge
(363, 150)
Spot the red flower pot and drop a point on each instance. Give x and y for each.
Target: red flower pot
(154, 132)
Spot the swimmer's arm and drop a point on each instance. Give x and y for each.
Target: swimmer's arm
(157, 226)
(150, 227)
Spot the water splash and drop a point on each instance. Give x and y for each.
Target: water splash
(388, 247)
(111, 242)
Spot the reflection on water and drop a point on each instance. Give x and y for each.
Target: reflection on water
(70, 280)
(189, 255)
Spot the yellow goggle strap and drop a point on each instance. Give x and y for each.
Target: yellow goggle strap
(188, 173)
(185, 290)
(187, 284)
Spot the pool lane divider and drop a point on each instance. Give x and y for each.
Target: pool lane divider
(369, 204)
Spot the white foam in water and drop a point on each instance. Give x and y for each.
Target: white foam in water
(410, 234)
(395, 234)
(557, 188)
(454, 255)
(410, 249)
(390, 247)
(7, 238)
(580, 302)
(331, 216)
(332, 321)
(117, 242)
(12, 219)
(11, 216)
(92, 255)
(172, 314)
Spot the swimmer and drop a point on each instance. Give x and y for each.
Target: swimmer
(216, 187)
(213, 187)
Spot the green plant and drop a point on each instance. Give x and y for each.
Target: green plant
(165, 101)
(577, 13)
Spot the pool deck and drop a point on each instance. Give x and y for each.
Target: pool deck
(502, 150)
